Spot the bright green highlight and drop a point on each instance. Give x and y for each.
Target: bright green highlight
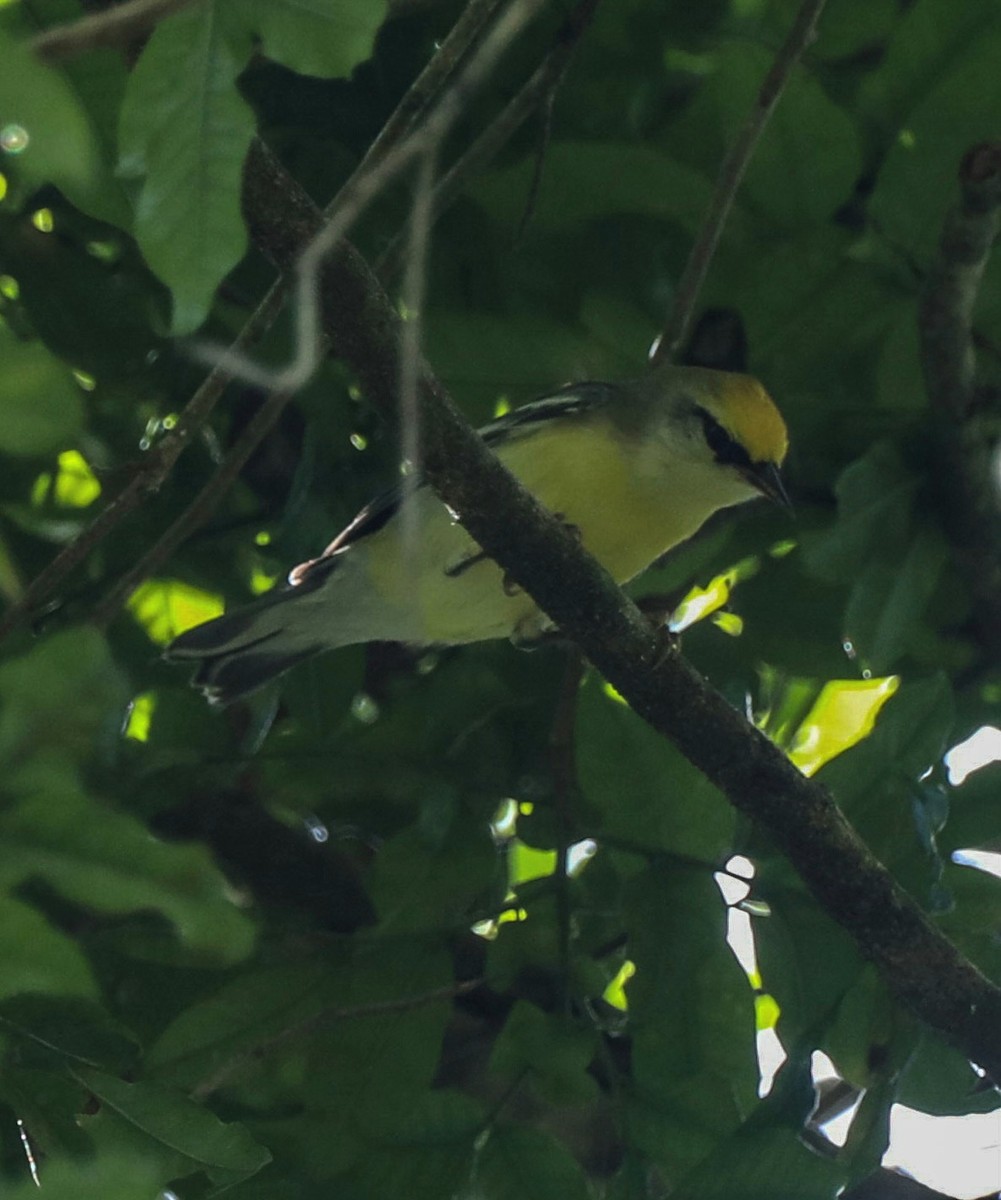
(615, 993)
(262, 581)
(167, 607)
(842, 716)
(140, 716)
(525, 863)
(766, 1012)
(74, 485)
(703, 602)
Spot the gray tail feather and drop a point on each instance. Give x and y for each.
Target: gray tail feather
(242, 651)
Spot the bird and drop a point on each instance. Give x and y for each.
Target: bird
(633, 468)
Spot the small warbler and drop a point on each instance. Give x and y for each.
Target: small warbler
(634, 468)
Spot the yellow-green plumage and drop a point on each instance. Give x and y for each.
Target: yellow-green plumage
(634, 468)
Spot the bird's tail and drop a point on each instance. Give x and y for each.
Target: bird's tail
(242, 651)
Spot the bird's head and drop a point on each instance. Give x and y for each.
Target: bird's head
(726, 421)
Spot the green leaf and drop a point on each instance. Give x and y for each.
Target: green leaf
(973, 919)
(315, 37)
(59, 1030)
(425, 882)
(845, 29)
(58, 141)
(875, 495)
(634, 179)
(864, 1021)
(226, 1152)
(67, 682)
(553, 1050)
(807, 962)
(889, 598)
(121, 1175)
(917, 183)
(890, 550)
(647, 794)
(869, 1133)
(974, 811)
(875, 782)
(47, 1104)
(108, 862)
(691, 1013)
(767, 1148)
(939, 1080)
(428, 1155)
(373, 1060)
(931, 37)
(38, 957)
(43, 407)
(185, 131)
(473, 353)
(808, 159)
(245, 1013)
(526, 1164)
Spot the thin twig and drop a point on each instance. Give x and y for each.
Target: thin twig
(197, 512)
(542, 84)
(112, 27)
(535, 183)
(327, 1016)
(563, 764)
(410, 354)
(352, 200)
(418, 98)
(731, 173)
(148, 478)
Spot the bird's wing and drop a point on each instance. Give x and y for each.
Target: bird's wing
(572, 399)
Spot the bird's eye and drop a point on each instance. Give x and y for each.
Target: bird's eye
(725, 449)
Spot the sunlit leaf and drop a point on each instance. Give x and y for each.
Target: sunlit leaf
(73, 485)
(843, 714)
(166, 608)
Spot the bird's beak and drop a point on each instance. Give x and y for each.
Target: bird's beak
(766, 478)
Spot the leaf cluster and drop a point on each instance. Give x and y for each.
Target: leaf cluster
(327, 942)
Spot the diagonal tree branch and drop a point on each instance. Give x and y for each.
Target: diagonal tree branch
(921, 966)
(969, 464)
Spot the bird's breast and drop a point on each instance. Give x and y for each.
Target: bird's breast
(626, 511)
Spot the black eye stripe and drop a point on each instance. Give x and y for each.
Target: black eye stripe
(725, 449)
